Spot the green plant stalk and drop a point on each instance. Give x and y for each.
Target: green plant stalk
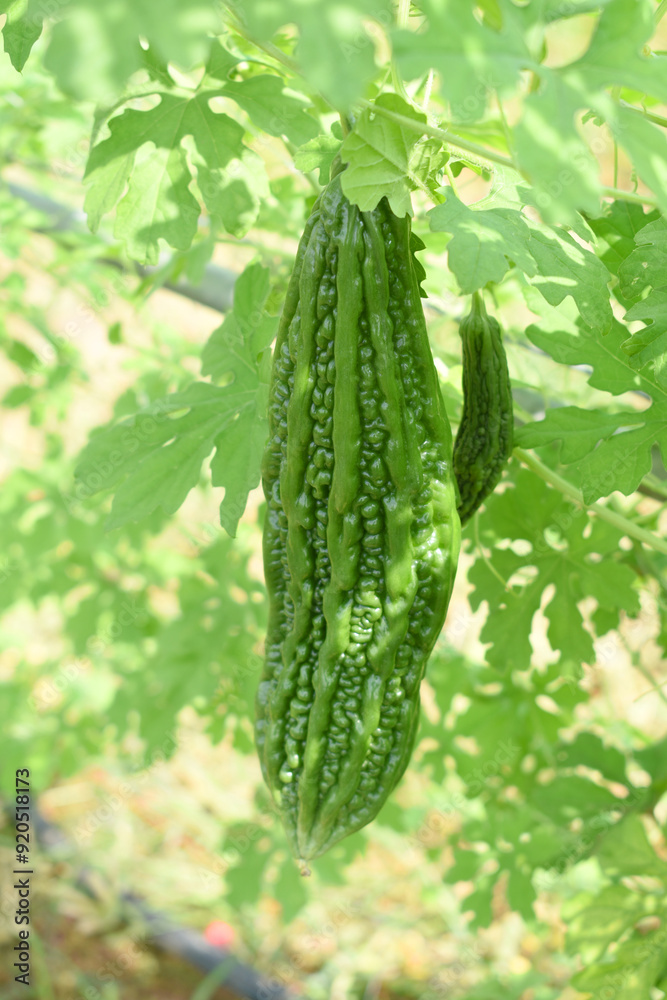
(655, 687)
(487, 155)
(655, 485)
(624, 524)
(620, 195)
(649, 115)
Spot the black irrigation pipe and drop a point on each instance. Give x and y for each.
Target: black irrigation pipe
(215, 289)
(164, 933)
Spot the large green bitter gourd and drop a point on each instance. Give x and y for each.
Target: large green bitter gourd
(362, 534)
(484, 438)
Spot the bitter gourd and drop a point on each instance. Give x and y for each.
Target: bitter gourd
(361, 535)
(484, 439)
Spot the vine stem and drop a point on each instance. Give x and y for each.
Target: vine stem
(450, 178)
(440, 133)
(503, 119)
(485, 559)
(655, 687)
(656, 486)
(623, 524)
(618, 193)
(274, 52)
(403, 14)
(660, 12)
(488, 155)
(649, 115)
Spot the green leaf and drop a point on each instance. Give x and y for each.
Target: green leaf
(465, 867)
(487, 241)
(379, 153)
(570, 797)
(271, 109)
(602, 353)
(158, 455)
(646, 145)
(612, 451)
(237, 461)
(615, 56)
(653, 759)
(196, 659)
(559, 164)
(578, 431)
(317, 154)
(22, 28)
(617, 229)
(244, 880)
(17, 396)
(95, 48)
(647, 263)
(625, 850)
(484, 244)
(158, 203)
(239, 345)
(635, 967)
(470, 57)
(535, 513)
(106, 188)
(290, 890)
(115, 333)
(566, 268)
(647, 348)
(589, 750)
(595, 921)
(22, 355)
(335, 52)
(480, 902)
(157, 206)
(520, 893)
(220, 63)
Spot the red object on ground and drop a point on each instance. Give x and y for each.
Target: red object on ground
(220, 934)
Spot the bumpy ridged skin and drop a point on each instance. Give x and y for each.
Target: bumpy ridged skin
(361, 536)
(484, 439)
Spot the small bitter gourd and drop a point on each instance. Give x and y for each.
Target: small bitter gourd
(361, 535)
(484, 439)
